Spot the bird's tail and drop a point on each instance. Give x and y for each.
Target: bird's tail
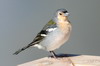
(22, 49)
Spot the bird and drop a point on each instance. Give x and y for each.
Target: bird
(53, 35)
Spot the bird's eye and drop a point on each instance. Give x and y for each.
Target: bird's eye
(60, 13)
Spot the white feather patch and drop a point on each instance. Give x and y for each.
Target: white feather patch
(43, 35)
(39, 46)
(51, 29)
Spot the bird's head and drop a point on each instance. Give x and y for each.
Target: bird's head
(62, 14)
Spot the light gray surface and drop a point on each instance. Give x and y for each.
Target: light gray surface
(21, 20)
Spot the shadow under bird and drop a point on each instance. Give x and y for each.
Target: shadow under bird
(54, 34)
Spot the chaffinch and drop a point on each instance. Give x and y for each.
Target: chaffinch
(54, 34)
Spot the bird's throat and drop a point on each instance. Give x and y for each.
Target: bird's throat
(64, 26)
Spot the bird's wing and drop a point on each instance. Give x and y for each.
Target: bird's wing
(49, 27)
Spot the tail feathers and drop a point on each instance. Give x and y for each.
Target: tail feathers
(20, 50)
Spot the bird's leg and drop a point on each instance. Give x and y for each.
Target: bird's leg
(53, 54)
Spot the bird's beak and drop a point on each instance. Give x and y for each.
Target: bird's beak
(66, 14)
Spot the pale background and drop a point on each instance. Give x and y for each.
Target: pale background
(21, 20)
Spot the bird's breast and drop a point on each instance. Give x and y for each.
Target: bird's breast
(65, 27)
